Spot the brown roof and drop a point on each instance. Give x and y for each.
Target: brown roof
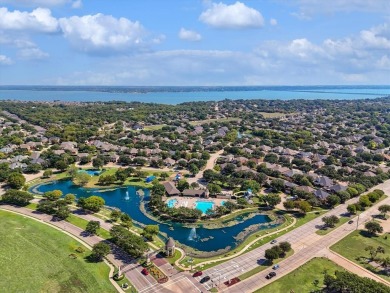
(170, 188)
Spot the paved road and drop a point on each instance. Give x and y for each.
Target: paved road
(209, 165)
(306, 243)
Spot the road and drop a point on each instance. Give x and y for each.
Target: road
(305, 242)
(209, 165)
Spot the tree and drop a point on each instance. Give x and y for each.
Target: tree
(285, 246)
(344, 196)
(62, 212)
(214, 188)
(182, 184)
(193, 169)
(289, 205)
(252, 185)
(93, 203)
(97, 163)
(158, 189)
(17, 197)
(16, 180)
(271, 254)
(126, 221)
(100, 250)
(130, 243)
(149, 231)
(277, 185)
(364, 201)
(330, 221)
(272, 199)
(73, 171)
(333, 200)
(69, 198)
(53, 195)
(115, 215)
(82, 178)
(384, 209)
(351, 208)
(385, 263)
(47, 173)
(373, 227)
(303, 206)
(92, 227)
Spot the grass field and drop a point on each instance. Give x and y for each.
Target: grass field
(302, 279)
(352, 247)
(343, 220)
(272, 115)
(220, 120)
(35, 258)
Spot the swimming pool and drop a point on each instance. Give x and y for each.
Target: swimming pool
(171, 203)
(203, 206)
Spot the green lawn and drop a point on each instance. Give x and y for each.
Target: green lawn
(352, 247)
(81, 223)
(35, 258)
(301, 279)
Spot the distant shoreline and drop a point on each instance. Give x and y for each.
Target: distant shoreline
(187, 94)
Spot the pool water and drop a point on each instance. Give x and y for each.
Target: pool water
(171, 203)
(203, 206)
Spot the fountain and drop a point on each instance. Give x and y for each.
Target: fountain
(192, 235)
(127, 197)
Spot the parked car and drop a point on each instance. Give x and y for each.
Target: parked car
(145, 272)
(274, 241)
(197, 274)
(350, 221)
(270, 275)
(275, 267)
(205, 279)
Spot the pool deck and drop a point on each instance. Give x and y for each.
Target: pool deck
(190, 202)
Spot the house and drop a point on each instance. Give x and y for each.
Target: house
(306, 189)
(171, 189)
(196, 193)
(169, 162)
(321, 194)
(338, 187)
(324, 181)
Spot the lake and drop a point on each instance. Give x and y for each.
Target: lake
(128, 201)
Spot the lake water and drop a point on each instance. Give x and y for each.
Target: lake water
(176, 95)
(128, 201)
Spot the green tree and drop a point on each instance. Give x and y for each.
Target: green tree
(384, 209)
(100, 250)
(158, 189)
(285, 246)
(70, 198)
(93, 203)
(182, 184)
(73, 171)
(97, 163)
(17, 197)
(16, 180)
(62, 212)
(303, 206)
(272, 199)
(373, 227)
(277, 185)
(351, 208)
(271, 254)
(92, 227)
(53, 195)
(330, 221)
(150, 231)
(251, 184)
(193, 169)
(82, 178)
(130, 243)
(115, 215)
(333, 200)
(214, 188)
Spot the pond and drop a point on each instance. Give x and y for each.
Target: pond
(126, 199)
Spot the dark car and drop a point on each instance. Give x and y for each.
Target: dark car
(205, 279)
(145, 272)
(274, 241)
(197, 274)
(270, 275)
(350, 221)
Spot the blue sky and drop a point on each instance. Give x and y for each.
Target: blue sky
(194, 42)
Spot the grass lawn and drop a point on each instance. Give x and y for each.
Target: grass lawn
(220, 120)
(301, 279)
(35, 258)
(272, 115)
(352, 247)
(81, 223)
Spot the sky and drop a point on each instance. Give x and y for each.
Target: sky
(194, 42)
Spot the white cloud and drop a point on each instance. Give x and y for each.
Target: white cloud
(77, 4)
(235, 16)
(39, 20)
(102, 33)
(273, 21)
(189, 35)
(32, 54)
(4, 60)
